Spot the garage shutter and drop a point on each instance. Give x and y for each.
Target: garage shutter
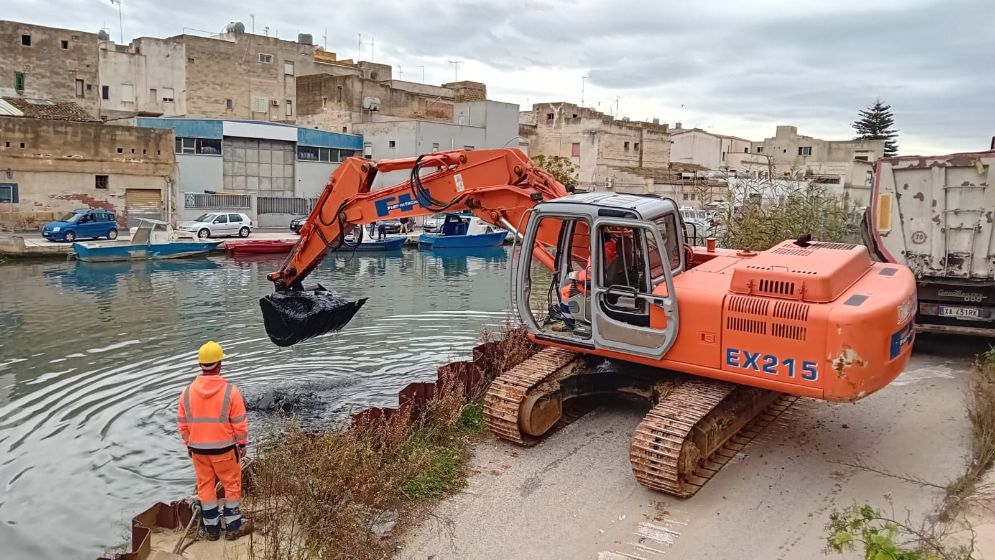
(142, 203)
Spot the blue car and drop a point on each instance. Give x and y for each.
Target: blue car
(80, 224)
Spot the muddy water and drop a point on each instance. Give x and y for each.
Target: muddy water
(93, 357)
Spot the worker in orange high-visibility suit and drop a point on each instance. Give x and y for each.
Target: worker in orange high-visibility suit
(576, 287)
(215, 430)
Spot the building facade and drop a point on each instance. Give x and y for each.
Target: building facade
(269, 171)
(598, 145)
(52, 167)
(792, 154)
(695, 147)
(49, 63)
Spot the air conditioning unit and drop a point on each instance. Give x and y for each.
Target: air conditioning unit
(371, 103)
(275, 102)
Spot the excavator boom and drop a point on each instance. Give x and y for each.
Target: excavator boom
(498, 186)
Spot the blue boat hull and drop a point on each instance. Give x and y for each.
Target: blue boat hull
(173, 250)
(389, 244)
(463, 241)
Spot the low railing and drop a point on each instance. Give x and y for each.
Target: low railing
(283, 205)
(217, 201)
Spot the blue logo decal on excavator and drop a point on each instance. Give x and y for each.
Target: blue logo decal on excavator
(402, 202)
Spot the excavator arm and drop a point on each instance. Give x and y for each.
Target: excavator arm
(499, 186)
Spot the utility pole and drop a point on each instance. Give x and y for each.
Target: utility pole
(583, 82)
(455, 64)
(422, 73)
(120, 26)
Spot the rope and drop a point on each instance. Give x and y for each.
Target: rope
(194, 513)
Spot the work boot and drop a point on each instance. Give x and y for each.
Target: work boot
(211, 523)
(212, 535)
(244, 528)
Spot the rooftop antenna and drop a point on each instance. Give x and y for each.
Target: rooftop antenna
(359, 47)
(120, 25)
(373, 46)
(423, 74)
(400, 70)
(324, 40)
(455, 64)
(583, 82)
(253, 17)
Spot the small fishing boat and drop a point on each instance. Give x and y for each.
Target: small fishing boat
(152, 240)
(393, 243)
(260, 247)
(463, 232)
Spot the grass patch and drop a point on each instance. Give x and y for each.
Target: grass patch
(326, 495)
(981, 412)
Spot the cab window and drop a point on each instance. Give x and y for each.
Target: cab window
(221, 219)
(234, 218)
(672, 241)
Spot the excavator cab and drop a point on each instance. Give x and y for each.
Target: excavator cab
(612, 287)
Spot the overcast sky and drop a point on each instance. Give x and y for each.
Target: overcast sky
(729, 66)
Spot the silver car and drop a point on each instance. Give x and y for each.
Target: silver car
(218, 224)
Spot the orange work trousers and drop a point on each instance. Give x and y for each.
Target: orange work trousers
(211, 468)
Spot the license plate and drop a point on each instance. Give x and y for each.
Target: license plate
(965, 312)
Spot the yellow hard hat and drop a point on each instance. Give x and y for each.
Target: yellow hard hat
(210, 353)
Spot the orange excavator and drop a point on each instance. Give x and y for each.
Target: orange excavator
(718, 341)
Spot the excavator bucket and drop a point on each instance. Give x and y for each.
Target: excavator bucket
(291, 316)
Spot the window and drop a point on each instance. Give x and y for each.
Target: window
(575, 149)
(345, 129)
(861, 158)
(120, 150)
(190, 59)
(435, 147)
(373, 75)
(79, 88)
(307, 153)
(89, 87)
(221, 219)
(201, 146)
(723, 158)
(153, 95)
(259, 104)
(229, 104)
(288, 67)
(127, 93)
(467, 148)
(105, 92)
(635, 146)
(391, 144)
(339, 94)
(234, 218)
(550, 116)
(26, 40)
(101, 181)
(746, 150)
(8, 193)
(290, 108)
(668, 230)
(760, 149)
(265, 58)
(74, 37)
(167, 95)
(19, 81)
(314, 153)
(625, 146)
(805, 150)
(64, 44)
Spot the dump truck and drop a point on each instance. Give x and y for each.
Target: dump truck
(934, 214)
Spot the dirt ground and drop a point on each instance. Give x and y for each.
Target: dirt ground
(573, 496)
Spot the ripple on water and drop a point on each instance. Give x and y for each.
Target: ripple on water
(94, 357)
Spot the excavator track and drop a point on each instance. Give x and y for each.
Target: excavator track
(522, 385)
(695, 429)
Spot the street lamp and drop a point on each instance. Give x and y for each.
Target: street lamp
(120, 27)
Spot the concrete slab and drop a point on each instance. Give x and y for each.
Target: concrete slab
(573, 496)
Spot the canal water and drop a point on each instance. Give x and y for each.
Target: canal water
(94, 355)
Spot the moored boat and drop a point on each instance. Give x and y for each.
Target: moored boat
(372, 245)
(260, 246)
(463, 232)
(151, 240)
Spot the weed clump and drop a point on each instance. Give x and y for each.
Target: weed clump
(330, 495)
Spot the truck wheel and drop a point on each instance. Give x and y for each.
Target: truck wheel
(70, 236)
(112, 234)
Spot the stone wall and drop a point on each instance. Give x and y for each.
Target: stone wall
(794, 154)
(55, 167)
(52, 63)
(465, 91)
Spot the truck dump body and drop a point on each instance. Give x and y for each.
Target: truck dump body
(935, 215)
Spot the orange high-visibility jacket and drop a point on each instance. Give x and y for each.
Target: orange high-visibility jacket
(211, 415)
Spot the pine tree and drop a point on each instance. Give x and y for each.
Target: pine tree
(875, 123)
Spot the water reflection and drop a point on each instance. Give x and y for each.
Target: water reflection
(93, 355)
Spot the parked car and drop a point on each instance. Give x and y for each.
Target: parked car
(218, 224)
(81, 224)
(297, 223)
(433, 224)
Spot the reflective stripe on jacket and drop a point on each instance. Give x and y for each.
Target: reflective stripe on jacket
(211, 415)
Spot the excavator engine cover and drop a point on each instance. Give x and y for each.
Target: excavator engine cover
(291, 316)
